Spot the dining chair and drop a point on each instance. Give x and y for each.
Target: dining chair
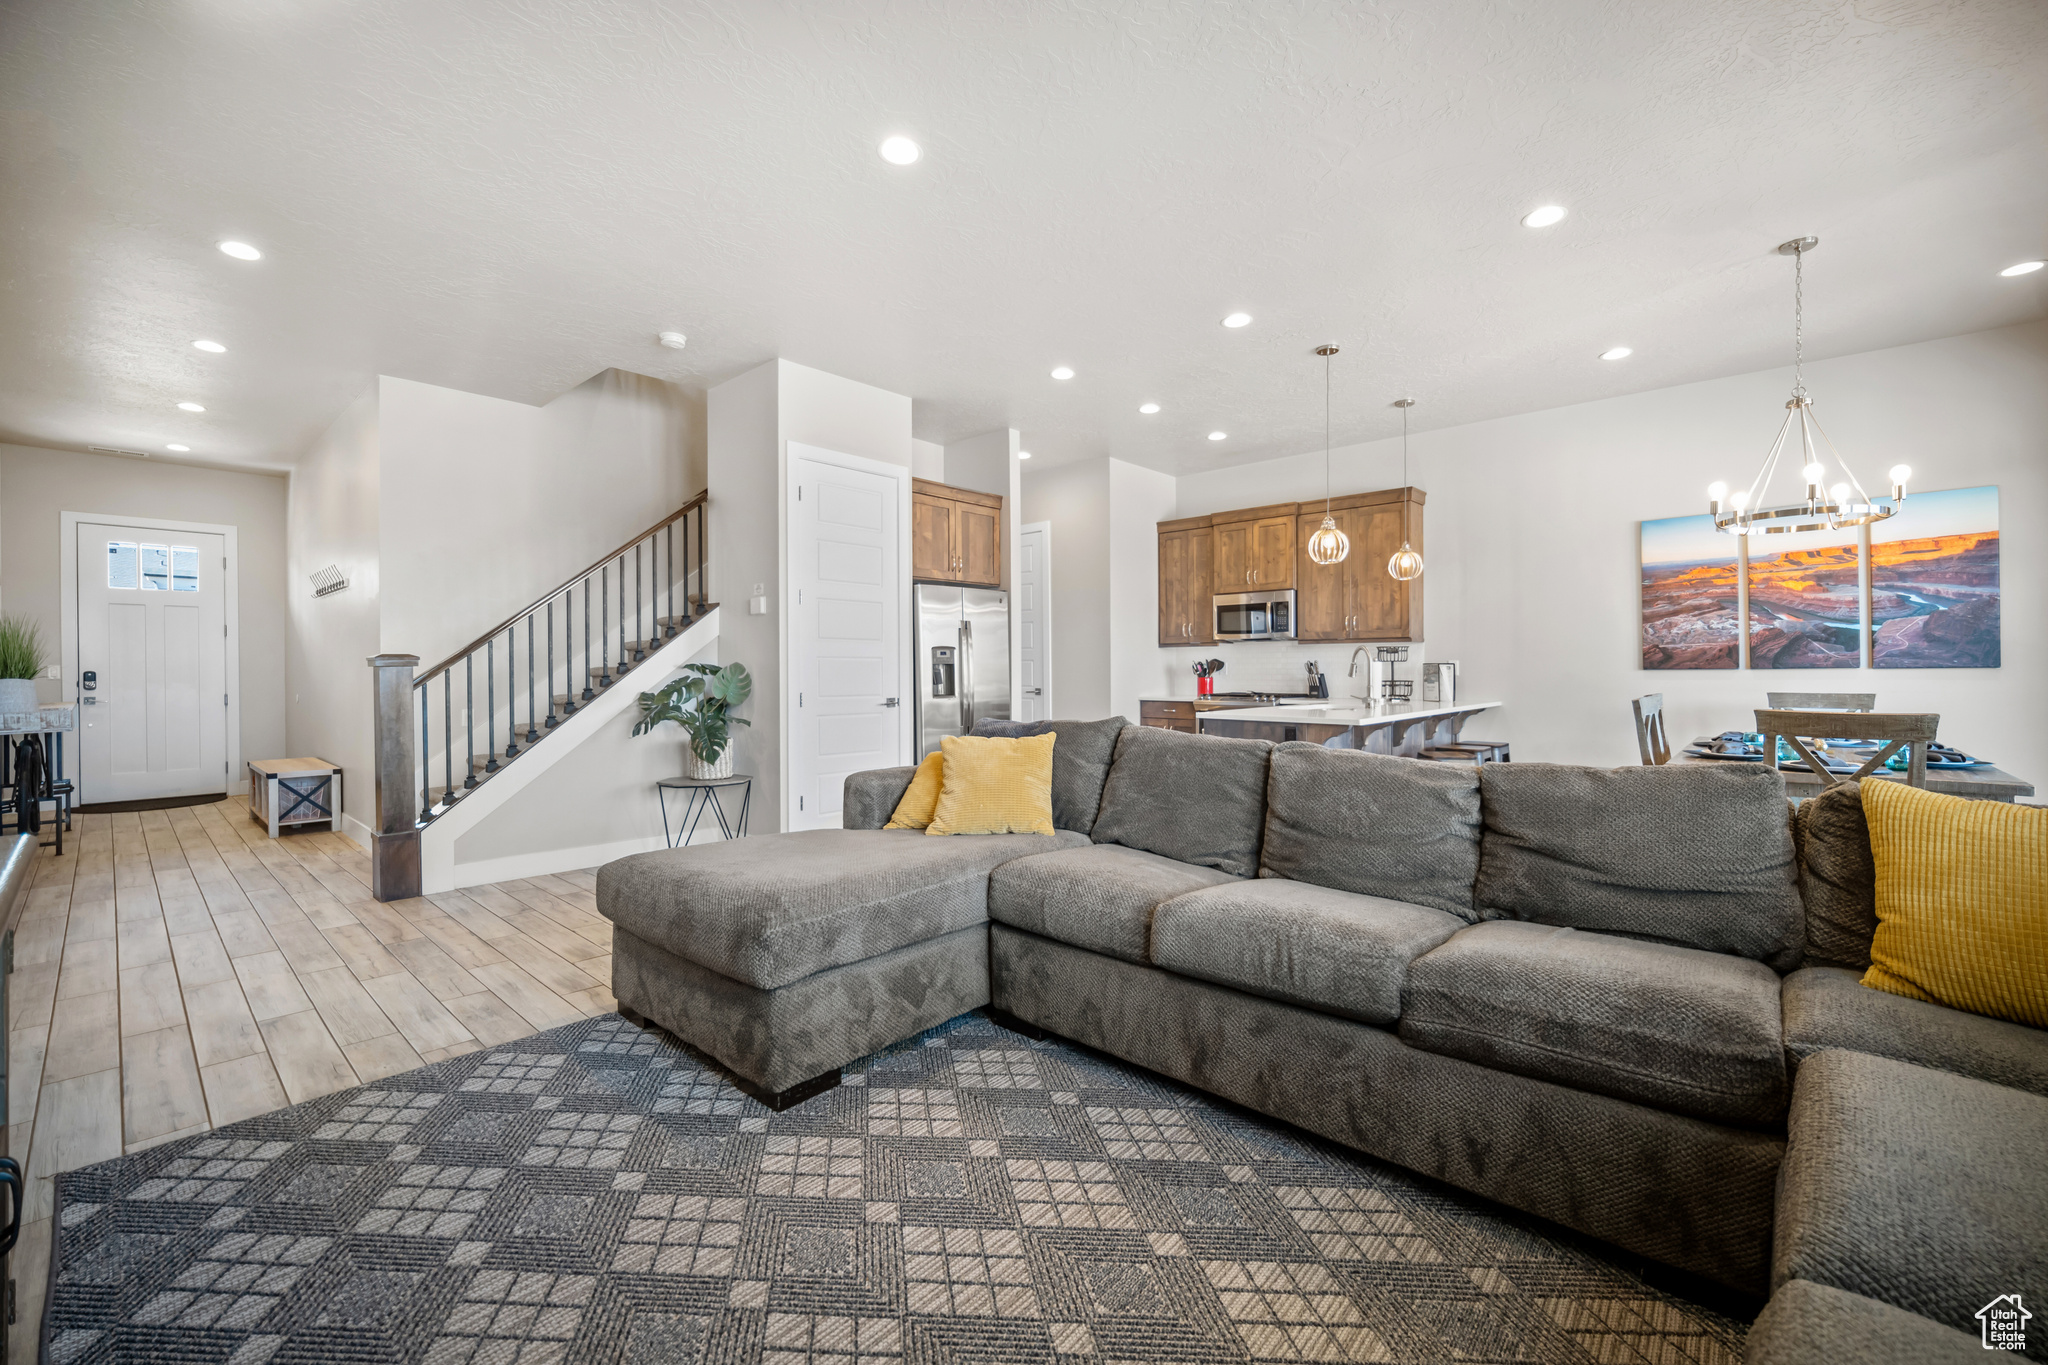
(1822, 701)
(1651, 741)
(1911, 730)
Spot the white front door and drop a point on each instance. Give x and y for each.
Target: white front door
(1034, 592)
(152, 662)
(846, 640)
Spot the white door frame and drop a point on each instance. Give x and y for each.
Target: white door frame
(861, 464)
(67, 589)
(1044, 613)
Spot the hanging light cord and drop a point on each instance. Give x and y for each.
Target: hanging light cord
(1799, 322)
(1404, 447)
(1326, 438)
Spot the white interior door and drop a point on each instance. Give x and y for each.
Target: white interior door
(152, 662)
(1034, 592)
(847, 643)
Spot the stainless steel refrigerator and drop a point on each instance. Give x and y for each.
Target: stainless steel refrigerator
(960, 654)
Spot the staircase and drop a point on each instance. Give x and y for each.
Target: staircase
(445, 735)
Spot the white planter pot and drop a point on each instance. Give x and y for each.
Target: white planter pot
(706, 771)
(18, 697)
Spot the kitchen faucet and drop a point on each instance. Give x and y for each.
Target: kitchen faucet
(1371, 676)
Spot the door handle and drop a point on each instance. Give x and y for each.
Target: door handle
(10, 1176)
(1036, 691)
(892, 701)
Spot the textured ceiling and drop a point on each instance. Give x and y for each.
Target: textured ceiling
(508, 197)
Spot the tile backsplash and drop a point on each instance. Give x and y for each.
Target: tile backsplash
(1278, 666)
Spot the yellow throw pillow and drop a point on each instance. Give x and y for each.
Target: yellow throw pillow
(921, 798)
(995, 786)
(1962, 901)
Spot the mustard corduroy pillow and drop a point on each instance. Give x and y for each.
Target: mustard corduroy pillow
(1962, 901)
(995, 786)
(921, 797)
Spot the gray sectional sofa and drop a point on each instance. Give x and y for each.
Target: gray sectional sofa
(1624, 1000)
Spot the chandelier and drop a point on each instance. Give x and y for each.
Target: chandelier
(1406, 563)
(1328, 545)
(1828, 506)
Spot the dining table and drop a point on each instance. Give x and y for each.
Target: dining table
(1982, 782)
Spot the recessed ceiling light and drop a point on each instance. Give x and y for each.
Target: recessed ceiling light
(192, 407)
(675, 341)
(1062, 372)
(1148, 408)
(241, 251)
(175, 446)
(1218, 435)
(900, 151)
(210, 347)
(1616, 353)
(1023, 454)
(1545, 216)
(2023, 268)
(1238, 320)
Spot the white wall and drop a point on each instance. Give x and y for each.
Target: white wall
(743, 449)
(1532, 541)
(486, 504)
(38, 485)
(1075, 499)
(333, 520)
(928, 460)
(1139, 499)
(598, 801)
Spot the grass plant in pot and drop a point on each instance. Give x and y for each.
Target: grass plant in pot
(701, 701)
(21, 661)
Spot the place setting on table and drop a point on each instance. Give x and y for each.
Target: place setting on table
(1810, 749)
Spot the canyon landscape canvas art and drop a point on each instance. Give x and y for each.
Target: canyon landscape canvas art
(1806, 601)
(1934, 582)
(1689, 595)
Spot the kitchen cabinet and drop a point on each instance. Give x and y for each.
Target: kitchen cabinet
(1267, 547)
(1168, 715)
(1186, 582)
(956, 535)
(1357, 599)
(1255, 548)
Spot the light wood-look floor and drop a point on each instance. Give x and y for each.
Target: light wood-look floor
(178, 970)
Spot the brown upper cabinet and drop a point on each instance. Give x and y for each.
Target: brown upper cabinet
(1186, 582)
(1356, 598)
(1254, 548)
(956, 534)
(1267, 547)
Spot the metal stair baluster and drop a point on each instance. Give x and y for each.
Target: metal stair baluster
(490, 709)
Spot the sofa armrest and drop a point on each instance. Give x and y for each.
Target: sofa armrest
(870, 798)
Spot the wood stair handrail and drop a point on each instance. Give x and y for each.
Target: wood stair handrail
(420, 679)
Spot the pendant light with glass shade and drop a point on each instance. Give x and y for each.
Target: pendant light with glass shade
(1328, 545)
(1827, 506)
(1406, 563)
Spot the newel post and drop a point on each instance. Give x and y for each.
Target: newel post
(395, 842)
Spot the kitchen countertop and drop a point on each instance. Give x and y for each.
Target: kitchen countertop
(1347, 712)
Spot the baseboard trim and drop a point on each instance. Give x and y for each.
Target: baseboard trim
(546, 861)
(356, 830)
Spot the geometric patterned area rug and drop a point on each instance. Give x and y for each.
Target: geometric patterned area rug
(597, 1195)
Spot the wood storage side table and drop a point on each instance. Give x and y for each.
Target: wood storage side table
(287, 792)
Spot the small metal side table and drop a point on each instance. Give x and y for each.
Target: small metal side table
(699, 795)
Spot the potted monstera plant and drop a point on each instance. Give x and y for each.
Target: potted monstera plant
(701, 701)
(21, 660)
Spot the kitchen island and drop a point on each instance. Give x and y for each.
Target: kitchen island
(1400, 729)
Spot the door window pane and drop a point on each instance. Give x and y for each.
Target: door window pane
(120, 563)
(184, 568)
(156, 568)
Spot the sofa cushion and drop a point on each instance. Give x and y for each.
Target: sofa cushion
(1830, 1007)
(1685, 1030)
(1912, 1186)
(1699, 856)
(1837, 877)
(1080, 762)
(1197, 799)
(774, 908)
(1374, 824)
(1805, 1323)
(1330, 950)
(1101, 897)
(869, 798)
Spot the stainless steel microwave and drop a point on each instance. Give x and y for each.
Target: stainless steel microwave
(1267, 615)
